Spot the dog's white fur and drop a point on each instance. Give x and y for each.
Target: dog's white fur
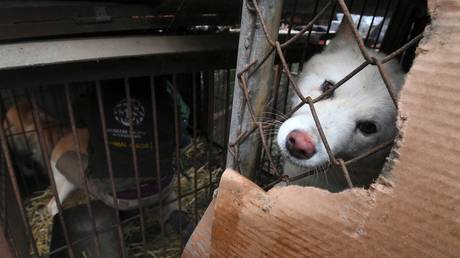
(63, 186)
(363, 97)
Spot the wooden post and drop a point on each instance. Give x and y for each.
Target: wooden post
(253, 45)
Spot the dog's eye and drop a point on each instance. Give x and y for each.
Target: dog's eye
(367, 127)
(327, 87)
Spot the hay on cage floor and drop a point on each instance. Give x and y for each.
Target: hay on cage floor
(40, 220)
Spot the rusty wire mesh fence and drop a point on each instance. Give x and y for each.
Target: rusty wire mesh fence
(259, 125)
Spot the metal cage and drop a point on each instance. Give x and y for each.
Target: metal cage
(51, 92)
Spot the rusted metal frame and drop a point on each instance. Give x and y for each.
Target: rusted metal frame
(307, 27)
(156, 149)
(387, 81)
(109, 165)
(372, 22)
(357, 36)
(211, 94)
(345, 173)
(363, 8)
(140, 200)
(262, 22)
(402, 48)
(76, 139)
(370, 152)
(129, 67)
(17, 194)
(195, 135)
(46, 158)
(177, 150)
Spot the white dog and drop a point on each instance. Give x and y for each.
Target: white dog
(358, 115)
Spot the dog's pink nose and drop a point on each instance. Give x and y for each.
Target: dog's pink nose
(300, 145)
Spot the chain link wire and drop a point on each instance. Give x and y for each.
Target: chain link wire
(260, 128)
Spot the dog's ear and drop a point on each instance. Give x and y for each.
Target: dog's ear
(344, 37)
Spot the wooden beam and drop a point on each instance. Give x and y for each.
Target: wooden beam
(253, 46)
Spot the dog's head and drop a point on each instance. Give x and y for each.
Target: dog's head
(355, 117)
